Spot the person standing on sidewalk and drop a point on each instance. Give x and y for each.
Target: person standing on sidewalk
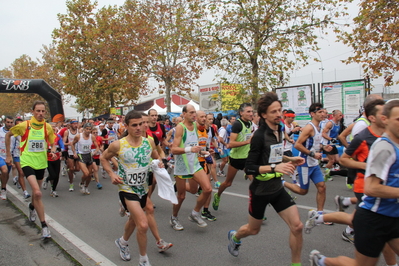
(36, 133)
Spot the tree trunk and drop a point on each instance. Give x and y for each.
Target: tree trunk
(168, 88)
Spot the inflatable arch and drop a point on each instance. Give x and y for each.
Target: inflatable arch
(37, 86)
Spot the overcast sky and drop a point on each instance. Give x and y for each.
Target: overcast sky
(26, 25)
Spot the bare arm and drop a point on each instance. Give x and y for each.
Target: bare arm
(374, 188)
(234, 144)
(306, 133)
(178, 137)
(326, 129)
(344, 134)
(108, 155)
(347, 161)
(8, 147)
(75, 140)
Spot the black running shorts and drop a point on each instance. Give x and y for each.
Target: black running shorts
(132, 197)
(28, 171)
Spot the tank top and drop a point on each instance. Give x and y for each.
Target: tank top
(158, 132)
(34, 148)
(203, 142)
(245, 134)
(133, 166)
(71, 137)
(3, 133)
(84, 145)
(312, 144)
(187, 164)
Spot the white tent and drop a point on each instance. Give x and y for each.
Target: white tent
(196, 105)
(159, 109)
(174, 108)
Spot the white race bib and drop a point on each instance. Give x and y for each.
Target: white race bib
(276, 153)
(35, 145)
(192, 144)
(137, 176)
(86, 148)
(248, 136)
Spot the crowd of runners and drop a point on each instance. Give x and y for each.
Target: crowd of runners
(194, 150)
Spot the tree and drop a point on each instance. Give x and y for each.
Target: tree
(174, 47)
(375, 38)
(99, 63)
(262, 41)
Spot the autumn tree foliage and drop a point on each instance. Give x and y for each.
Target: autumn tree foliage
(99, 58)
(375, 38)
(261, 42)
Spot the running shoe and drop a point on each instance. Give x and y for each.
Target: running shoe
(311, 221)
(124, 251)
(46, 233)
(32, 214)
(175, 223)
(207, 215)
(54, 194)
(92, 178)
(45, 184)
(216, 201)
(349, 237)
(349, 186)
(16, 182)
(327, 176)
(197, 219)
(87, 192)
(82, 189)
(217, 184)
(144, 263)
(163, 245)
(122, 210)
(3, 194)
(26, 194)
(63, 170)
(339, 203)
(71, 188)
(314, 258)
(233, 246)
(99, 186)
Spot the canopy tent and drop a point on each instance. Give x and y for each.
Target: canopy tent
(196, 105)
(159, 109)
(174, 108)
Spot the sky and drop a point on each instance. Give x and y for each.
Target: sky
(26, 25)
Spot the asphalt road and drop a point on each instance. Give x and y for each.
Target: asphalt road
(93, 222)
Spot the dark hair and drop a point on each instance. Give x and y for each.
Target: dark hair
(9, 117)
(184, 110)
(132, 115)
(38, 103)
(314, 107)
(264, 102)
(242, 107)
(144, 114)
(370, 107)
(18, 120)
(389, 106)
(289, 112)
(88, 125)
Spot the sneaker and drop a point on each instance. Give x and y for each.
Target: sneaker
(175, 223)
(54, 194)
(122, 210)
(349, 186)
(163, 245)
(46, 233)
(314, 258)
(144, 263)
(311, 221)
(124, 251)
(26, 194)
(217, 184)
(63, 170)
(32, 214)
(216, 201)
(71, 188)
(349, 237)
(45, 184)
(327, 176)
(233, 246)
(3, 194)
(197, 219)
(99, 186)
(87, 192)
(339, 203)
(15, 180)
(207, 215)
(92, 178)
(82, 189)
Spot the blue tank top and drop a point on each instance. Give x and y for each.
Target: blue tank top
(312, 144)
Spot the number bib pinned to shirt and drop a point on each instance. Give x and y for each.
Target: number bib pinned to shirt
(276, 153)
(137, 176)
(36, 145)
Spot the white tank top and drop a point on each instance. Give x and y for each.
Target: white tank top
(84, 145)
(3, 133)
(71, 137)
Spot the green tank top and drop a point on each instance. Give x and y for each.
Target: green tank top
(360, 119)
(245, 134)
(34, 148)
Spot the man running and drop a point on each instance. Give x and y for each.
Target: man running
(72, 162)
(5, 169)
(267, 164)
(36, 133)
(240, 139)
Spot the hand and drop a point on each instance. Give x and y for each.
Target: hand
(327, 148)
(75, 156)
(318, 155)
(297, 160)
(53, 155)
(161, 164)
(9, 160)
(115, 179)
(285, 168)
(291, 140)
(334, 141)
(196, 149)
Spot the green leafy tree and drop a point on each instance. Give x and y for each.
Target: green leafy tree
(261, 42)
(375, 38)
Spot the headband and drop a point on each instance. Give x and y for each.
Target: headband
(74, 121)
(289, 115)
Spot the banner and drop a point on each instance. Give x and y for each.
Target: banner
(209, 98)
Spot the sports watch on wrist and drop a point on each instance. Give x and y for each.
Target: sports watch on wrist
(273, 166)
(311, 154)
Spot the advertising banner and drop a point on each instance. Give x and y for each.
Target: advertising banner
(209, 100)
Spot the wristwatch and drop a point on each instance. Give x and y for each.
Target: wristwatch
(311, 154)
(273, 166)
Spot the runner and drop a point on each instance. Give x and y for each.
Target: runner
(81, 148)
(223, 142)
(134, 153)
(185, 149)
(239, 143)
(290, 128)
(5, 169)
(36, 133)
(72, 162)
(157, 128)
(96, 155)
(376, 220)
(267, 164)
(213, 144)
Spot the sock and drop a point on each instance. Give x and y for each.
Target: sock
(319, 219)
(144, 258)
(25, 191)
(43, 224)
(296, 264)
(321, 260)
(194, 213)
(174, 217)
(235, 239)
(349, 230)
(31, 207)
(123, 241)
(347, 201)
(206, 209)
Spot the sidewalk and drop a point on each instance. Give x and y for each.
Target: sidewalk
(21, 243)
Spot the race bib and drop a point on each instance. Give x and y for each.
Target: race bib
(248, 136)
(3, 152)
(276, 153)
(86, 148)
(192, 144)
(35, 145)
(137, 176)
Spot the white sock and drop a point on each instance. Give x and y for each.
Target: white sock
(347, 201)
(144, 258)
(349, 230)
(123, 241)
(319, 219)
(194, 213)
